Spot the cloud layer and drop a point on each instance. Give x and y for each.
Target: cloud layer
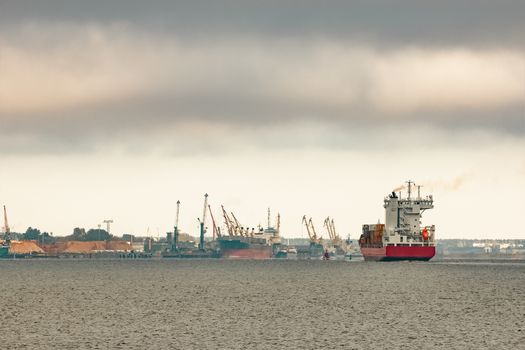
(83, 80)
(81, 76)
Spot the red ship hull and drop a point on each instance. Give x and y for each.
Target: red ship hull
(393, 253)
(259, 253)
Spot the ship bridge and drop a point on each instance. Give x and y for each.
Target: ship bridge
(403, 218)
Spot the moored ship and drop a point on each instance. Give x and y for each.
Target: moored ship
(245, 243)
(401, 237)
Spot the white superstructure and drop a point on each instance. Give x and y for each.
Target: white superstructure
(403, 219)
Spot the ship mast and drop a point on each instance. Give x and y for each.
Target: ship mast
(410, 183)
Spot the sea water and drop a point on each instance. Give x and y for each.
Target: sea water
(220, 304)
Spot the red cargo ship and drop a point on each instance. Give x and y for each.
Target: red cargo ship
(401, 237)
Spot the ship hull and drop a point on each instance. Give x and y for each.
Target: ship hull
(257, 253)
(245, 248)
(396, 253)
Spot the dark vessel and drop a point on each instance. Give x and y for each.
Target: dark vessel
(245, 243)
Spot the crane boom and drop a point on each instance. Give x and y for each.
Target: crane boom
(333, 229)
(227, 221)
(6, 223)
(216, 232)
(314, 234)
(238, 227)
(7, 233)
(328, 228)
(305, 222)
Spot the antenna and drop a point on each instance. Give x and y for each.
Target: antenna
(268, 218)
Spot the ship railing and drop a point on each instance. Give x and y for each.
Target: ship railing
(372, 245)
(412, 244)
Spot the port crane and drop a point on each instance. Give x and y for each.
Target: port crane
(337, 239)
(314, 234)
(311, 230)
(305, 222)
(329, 228)
(334, 237)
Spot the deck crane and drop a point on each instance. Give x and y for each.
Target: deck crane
(7, 232)
(216, 232)
(227, 222)
(238, 228)
(202, 222)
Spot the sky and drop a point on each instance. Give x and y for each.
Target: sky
(117, 109)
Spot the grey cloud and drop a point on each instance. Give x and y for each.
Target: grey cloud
(387, 22)
(218, 124)
(220, 93)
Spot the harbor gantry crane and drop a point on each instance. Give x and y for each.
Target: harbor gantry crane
(7, 230)
(216, 231)
(202, 223)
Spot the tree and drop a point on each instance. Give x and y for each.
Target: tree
(79, 234)
(32, 234)
(97, 235)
